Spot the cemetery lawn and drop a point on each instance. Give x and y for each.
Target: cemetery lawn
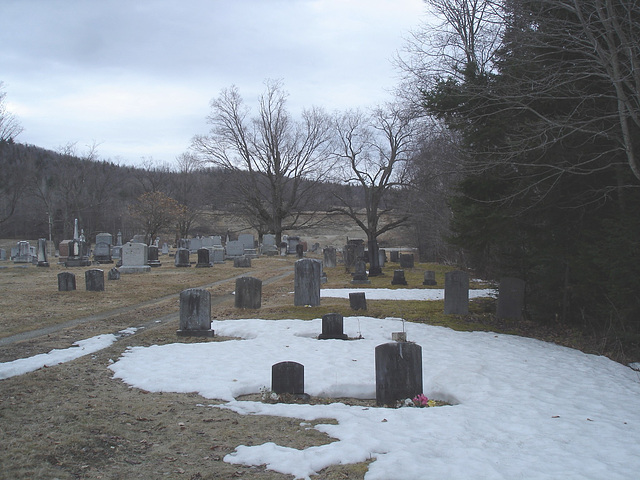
(73, 420)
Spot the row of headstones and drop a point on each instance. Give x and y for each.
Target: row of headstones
(398, 367)
(93, 278)
(24, 252)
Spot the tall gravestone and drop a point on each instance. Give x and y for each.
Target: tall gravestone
(398, 372)
(307, 273)
(66, 282)
(382, 257)
(203, 258)
(287, 377)
(332, 327)
(329, 257)
(154, 256)
(195, 313)
(94, 280)
(42, 253)
(456, 293)
(248, 292)
(510, 298)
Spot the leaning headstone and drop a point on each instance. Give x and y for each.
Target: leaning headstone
(94, 280)
(42, 252)
(154, 256)
(203, 258)
(135, 257)
(332, 327)
(287, 377)
(357, 300)
(182, 258)
(195, 313)
(456, 293)
(66, 282)
(307, 273)
(510, 298)
(429, 278)
(114, 274)
(360, 275)
(398, 278)
(406, 260)
(248, 292)
(398, 372)
(242, 262)
(329, 257)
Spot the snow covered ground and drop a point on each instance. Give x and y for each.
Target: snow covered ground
(521, 408)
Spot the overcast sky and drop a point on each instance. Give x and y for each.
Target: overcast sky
(137, 76)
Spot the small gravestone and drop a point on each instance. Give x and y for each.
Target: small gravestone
(242, 262)
(203, 258)
(406, 260)
(429, 278)
(114, 274)
(360, 275)
(332, 327)
(182, 258)
(398, 372)
(42, 252)
(102, 253)
(510, 298)
(307, 273)
(94, 280)
(394, 255)
(398, 278)
(165, 249)
(217, 253)
(382, 257)
(456, 293)
(357, 301)
(195, 313)
(3, 254)
(248, 292)
(66, 282)
(154, 256)
(329, 257)
(300, 250)
(287, 377)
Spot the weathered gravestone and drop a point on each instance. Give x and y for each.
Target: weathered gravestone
(360, 275)
(394, 256)
(269, 246)
(42, 253)
(398, 278)
(287, 377)
(203, 258)
(195, 313)
(3, 254)
(382, 257)
(357, 300)
(66, 282)
(332, 327)
(182, 258)
(114, 274)
(94, 280)
(234, 248)
(353, 250)
(23, 253)
(165, 249)
(195, 244)
(398, 372)
(248, 292)
(456, 293)
(242, 262)
(300, 250)
(429, 278)
(102, 253)
(135, 257)
(406, 260)
(247, 241)
(510, 298)
(292, 243)
(217, 253)
(329, 257)
(154, 256)
(307, 273)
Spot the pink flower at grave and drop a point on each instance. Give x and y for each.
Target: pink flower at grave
(421, 400)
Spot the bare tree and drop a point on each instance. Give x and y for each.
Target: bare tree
(9, 125)
(281, 160)
(373, 150)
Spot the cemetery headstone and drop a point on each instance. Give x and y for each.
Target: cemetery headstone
(195, 244)
(195, 313)
(182, 258)
(154, 259)
(247, 241)
(23, 253)
(102, 253)
(394, 256)
(248, 292)
(42, 252)
(398, 278)
(234, 248)
(510, 298)
(406, 260)
(218, 255)
(307, 272)
(242, 262)
(360, 275)
(357, 300)
(332, 327)
(456, 293)
(94, 280)
(66, 282)
(203, 258)
(165, 249)
(207, 242)
(287, 377)
(300, 250)
(135, 257)
(269, 246)
(329, 257)
(429, 278)
(3, 254)
(119, 239)
(114, 274)
(292, 242)
(382, 257)
(398, 372)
